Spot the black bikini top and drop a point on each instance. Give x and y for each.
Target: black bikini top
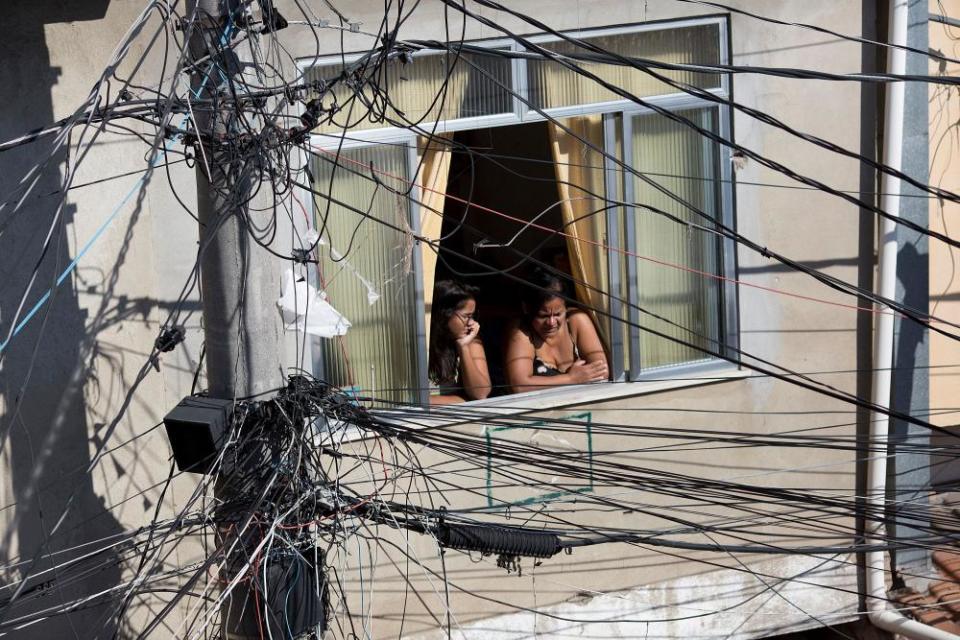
(541, 368)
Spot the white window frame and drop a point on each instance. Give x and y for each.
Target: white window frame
(728, 306)
(521, 113)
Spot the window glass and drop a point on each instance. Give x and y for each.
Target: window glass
(553, 85)
(673, 274)
(432, 87)
(367, 273)
(676, 261)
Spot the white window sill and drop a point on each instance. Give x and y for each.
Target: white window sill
(671, 379)
(568, 396)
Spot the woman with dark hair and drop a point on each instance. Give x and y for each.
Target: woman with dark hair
(458, 363)
(552, 344)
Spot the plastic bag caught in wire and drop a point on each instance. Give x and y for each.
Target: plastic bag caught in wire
(305, 309)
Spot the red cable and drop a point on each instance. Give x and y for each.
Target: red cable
(255, 588)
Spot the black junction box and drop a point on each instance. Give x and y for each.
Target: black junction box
(195, 428)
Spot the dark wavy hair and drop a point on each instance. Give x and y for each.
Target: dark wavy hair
(542, 286)
(448, 296)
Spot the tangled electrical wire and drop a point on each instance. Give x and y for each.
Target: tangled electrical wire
(323, 511)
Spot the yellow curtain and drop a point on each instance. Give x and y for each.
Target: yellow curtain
(579, 170)
(432, 183)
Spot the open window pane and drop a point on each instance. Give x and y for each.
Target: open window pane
(433, 87)
(367, 272)
(676, 261)
(552, 85)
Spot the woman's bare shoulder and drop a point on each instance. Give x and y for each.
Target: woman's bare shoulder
(579, 319)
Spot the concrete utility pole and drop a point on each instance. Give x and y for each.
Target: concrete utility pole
(240, 284)
(241, 324)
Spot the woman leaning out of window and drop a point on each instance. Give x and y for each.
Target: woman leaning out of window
(552, 345)
(458, 364)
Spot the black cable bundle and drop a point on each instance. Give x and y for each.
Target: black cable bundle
(290, 590)
(498, 540)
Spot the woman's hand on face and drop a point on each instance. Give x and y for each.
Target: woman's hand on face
(583, 371)
(470, 332)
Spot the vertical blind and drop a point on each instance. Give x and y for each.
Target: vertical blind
(552, 85)
(367, 273)
(684, 163)
(435, 86)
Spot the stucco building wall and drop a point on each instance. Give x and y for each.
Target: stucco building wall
(83, 375)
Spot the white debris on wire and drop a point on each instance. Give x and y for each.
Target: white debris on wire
(305, 309)
(310, 238)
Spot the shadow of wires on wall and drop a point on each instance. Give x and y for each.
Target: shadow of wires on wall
(44, 421)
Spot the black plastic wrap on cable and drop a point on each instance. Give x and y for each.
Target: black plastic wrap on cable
(498, 540)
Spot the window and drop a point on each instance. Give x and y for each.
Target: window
(434, 87)
(674, 272)
(551, 85)
(368, 273)
(677, 173)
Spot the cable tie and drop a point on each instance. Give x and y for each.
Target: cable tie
(292, 93)
(169, 338)
(302, 256)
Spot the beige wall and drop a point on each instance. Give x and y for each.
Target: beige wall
(806, 336)
(944, 262)
(126, 284)
(102, 322)
(638, 582)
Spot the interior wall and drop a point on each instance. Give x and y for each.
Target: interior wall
(505, 183)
